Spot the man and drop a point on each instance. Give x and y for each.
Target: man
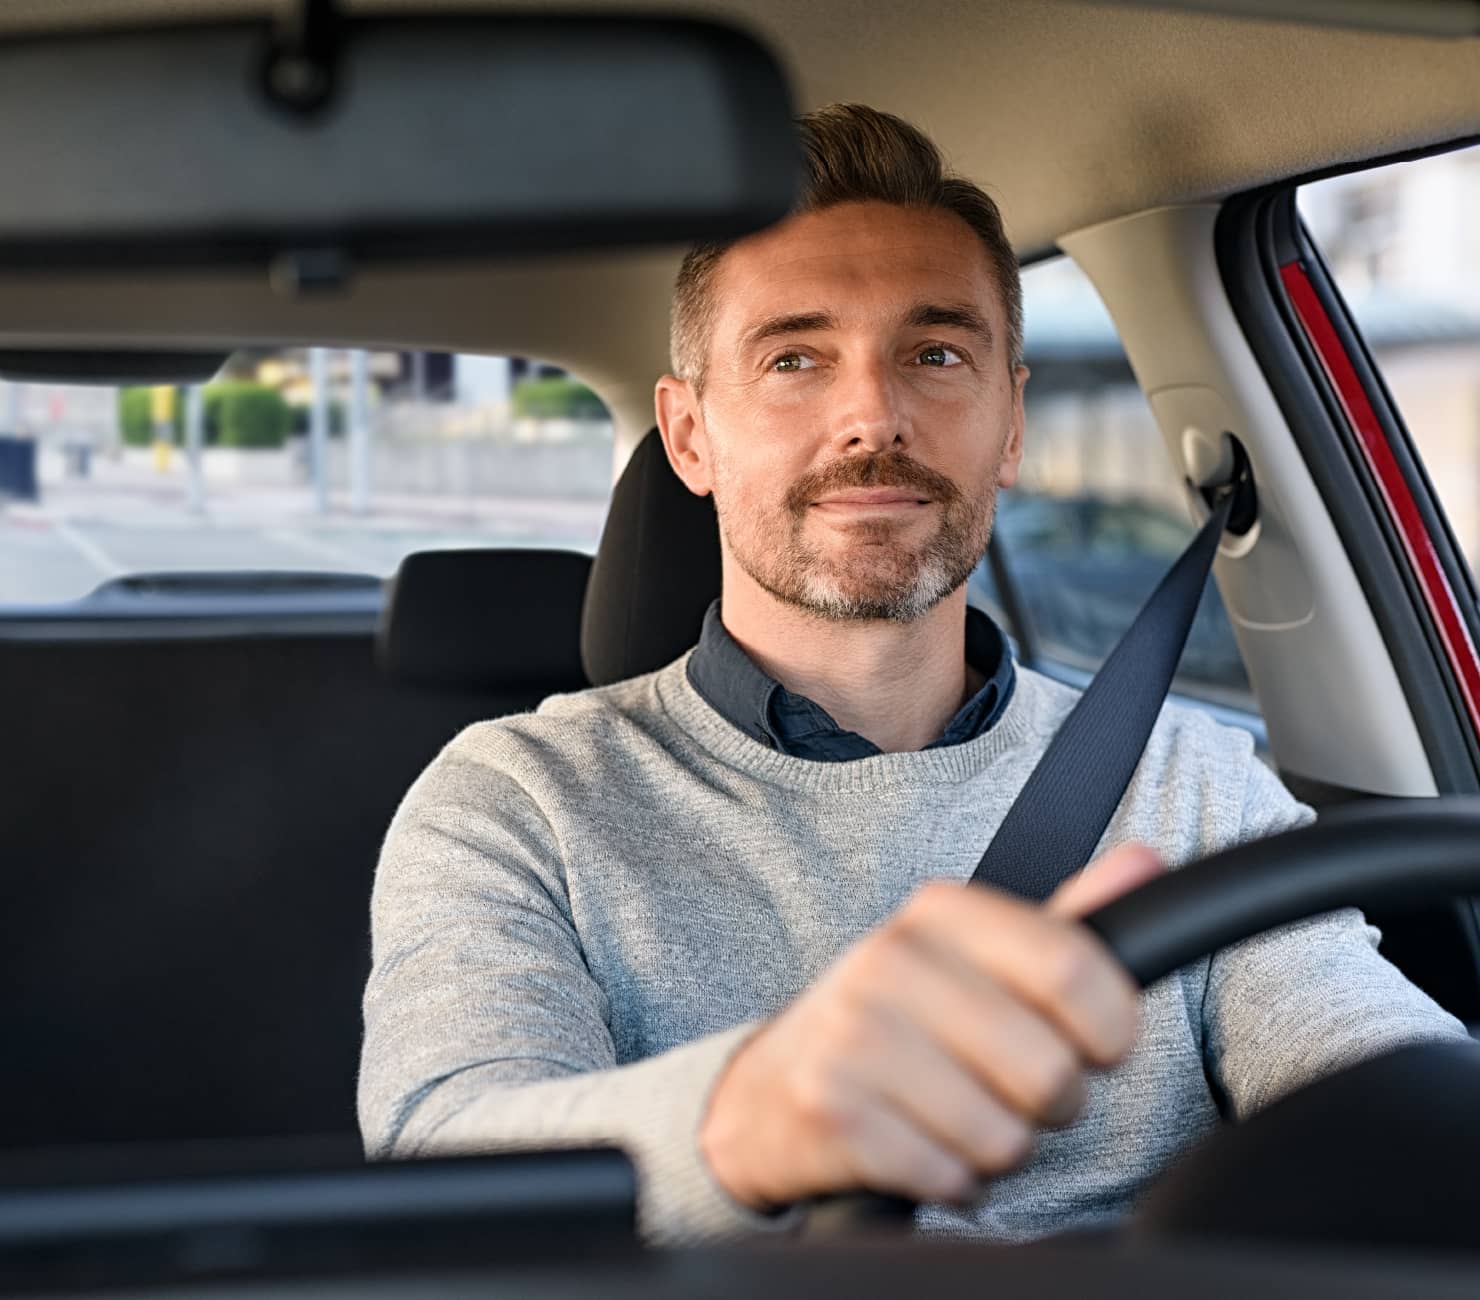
(715, 914)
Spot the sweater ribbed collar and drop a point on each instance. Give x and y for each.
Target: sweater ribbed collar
(704, 725)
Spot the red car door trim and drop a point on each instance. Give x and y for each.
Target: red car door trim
(1424, 560)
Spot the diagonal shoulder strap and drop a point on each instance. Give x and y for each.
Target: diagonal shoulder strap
(1053, 826)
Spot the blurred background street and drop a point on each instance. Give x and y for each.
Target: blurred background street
(120, 487)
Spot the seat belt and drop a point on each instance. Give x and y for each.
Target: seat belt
(1053, 826)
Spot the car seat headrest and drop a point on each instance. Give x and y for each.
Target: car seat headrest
(501, 618)
(656, 571)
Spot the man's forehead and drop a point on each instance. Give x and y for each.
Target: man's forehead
(856, 255)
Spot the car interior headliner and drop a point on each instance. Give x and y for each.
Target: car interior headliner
(1072, 113)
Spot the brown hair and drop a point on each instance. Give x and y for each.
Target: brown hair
(853, 153)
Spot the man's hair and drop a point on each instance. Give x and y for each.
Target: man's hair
(853, 153)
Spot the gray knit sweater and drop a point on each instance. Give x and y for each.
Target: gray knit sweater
(580, 913)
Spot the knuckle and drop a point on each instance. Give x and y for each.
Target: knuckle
(944, 1178)
(1122, 1026)
(987, 1131)
(1017, 1145)
(1069, 966)
(939, 893)
(818, 1097)
(853, 1035)
(930, 900)
(879, 960)
(1003, 1143)
(1112, 1032)
(922, 1171)
(1070, 1101)
(1049, 1078)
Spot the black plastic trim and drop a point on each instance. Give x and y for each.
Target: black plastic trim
(246, 625)
(1323, 794)
(109, 366)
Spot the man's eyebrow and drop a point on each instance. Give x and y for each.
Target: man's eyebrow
(792, 323)
(958, 315)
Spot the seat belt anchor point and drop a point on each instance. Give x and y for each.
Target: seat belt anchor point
(1239, 484)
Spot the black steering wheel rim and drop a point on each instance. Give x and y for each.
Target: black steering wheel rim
(1405, 851)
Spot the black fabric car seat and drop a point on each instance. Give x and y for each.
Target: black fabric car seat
(656, 571)
(506, 619)
(191, 840)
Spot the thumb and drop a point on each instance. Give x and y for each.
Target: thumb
(1118, 872)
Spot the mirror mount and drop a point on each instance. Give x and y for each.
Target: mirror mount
(300, 70)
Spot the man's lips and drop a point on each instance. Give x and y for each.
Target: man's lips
(855, 497)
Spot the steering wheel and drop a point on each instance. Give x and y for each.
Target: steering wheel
(1406, 852)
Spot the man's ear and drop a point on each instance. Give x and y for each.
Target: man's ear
(681, 426)
(1012, 453)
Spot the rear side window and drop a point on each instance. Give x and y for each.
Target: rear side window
(101, 485)
(1099, 513)
(1403, 245)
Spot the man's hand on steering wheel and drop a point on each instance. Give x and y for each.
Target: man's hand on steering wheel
(927, 1056)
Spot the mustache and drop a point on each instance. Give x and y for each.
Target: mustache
(891, 469)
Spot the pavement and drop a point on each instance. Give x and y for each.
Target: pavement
(123, 519)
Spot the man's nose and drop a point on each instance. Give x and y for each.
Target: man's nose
(869, 415)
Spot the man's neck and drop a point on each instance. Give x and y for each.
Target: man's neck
(896, 684)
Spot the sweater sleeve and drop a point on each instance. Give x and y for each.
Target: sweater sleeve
(1294, 1004)
(484, 1029)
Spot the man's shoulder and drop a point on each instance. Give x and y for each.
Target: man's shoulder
(567, 733)
(1199, 785)
(1191, 789)
(1183, 732)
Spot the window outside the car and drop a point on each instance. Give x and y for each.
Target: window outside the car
(1099, 513)
(101, 485)
(1403, 244)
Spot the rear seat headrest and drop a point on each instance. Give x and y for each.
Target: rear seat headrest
(487, 619)
(655, 573)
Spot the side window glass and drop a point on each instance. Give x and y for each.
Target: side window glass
(1099, 512)
(300, 465)
(1403, 244)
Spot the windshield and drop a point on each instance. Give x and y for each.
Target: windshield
(293, 461)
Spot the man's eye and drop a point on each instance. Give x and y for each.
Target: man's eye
(939, 356)
(791, 361)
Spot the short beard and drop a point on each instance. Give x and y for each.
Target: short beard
(879, 579)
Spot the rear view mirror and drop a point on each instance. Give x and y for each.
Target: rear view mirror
(110, 366)
(363, 139)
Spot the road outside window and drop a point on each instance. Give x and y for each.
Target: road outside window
(1099, 514)
(294, 461)
(1403, 243)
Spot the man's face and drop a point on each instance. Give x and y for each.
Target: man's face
(860, 410)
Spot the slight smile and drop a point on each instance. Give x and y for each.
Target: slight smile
(870, 501)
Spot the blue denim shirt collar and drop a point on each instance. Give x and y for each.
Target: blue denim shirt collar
(747, 697)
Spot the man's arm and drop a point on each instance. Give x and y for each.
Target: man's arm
(920, 1061)
(484, 1030)
(1287, 1007)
